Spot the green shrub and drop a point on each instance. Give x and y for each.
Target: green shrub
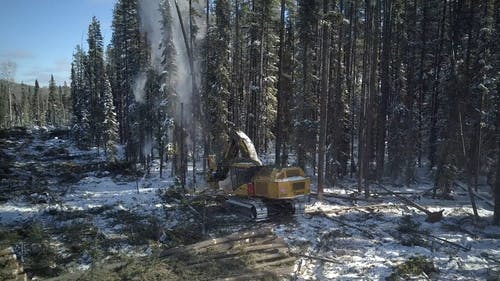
(414, 266)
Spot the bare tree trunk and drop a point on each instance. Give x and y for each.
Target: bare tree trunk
(182, 151)
(435, 92)
(237, 74)
(325, 69)
(206, 141)
(496, 216)
(279, 109)
(422, 80)
(352, 83)
(260, 130)
(195, 101)
(362, 109)
(385, 79)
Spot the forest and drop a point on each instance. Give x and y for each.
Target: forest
(361, 95)
(365, 89)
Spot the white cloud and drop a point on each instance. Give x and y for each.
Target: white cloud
(16, 54)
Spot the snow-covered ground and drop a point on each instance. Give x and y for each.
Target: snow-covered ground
(95, 190)
(337, 238)
(368, 243)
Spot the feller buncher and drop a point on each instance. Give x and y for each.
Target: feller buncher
(256, 190)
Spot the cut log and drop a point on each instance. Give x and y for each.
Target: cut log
(278, 246)
(431, 216)
(260, 248)
(315, 258)
(249, 276)
(366, 232)
(486, 200)
(22, 277)
(333, 195)
(8, 273)
(206, 262)
(466, 249)
(6, 251)
(267, 257)
(273, 263)
(336, 210)
(217, 241)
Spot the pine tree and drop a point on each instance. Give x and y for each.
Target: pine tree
(167, 92)
(109, 125)
(3, 106)
(325, 70)
(128, 59)
(305, 102)
(496, 71)
(337, 152)
(25, 106)
(52, 104)
(95, 73)
(35, 104)
(80, 99)
(218, 75)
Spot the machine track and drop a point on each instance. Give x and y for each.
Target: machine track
(253, 208)
(261, 209)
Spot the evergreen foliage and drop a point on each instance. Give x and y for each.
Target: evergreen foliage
(110, 124)
(52, 105)
(400, 86)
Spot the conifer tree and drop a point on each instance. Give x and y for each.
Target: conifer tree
(305, 102)
(218, 74)
(80, 99)
(3, 106)
(25, 106)
(128, 58)
(110, 125)
(35, 104)
(164, 110)
(52, 105)
(95, 74)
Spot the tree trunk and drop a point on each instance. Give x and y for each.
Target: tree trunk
(496, 216)
(438, 57)
(352, 83)
(422, 80)
(362, 135)
(279, 109)
(325, 69)
(385, 86)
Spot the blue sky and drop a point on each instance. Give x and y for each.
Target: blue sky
(40, 35)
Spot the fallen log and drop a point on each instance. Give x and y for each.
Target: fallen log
(10, 269)
(466, 249)
(6, 251)
(489, 257)
(273, 263)
(217, 241)
(264, 247)
(266, 257)
(315, 257)
(431, 216)
(248, 276)
(486, 200)
(210, 260)
(333, 195)
(366, 232)
(336, 210)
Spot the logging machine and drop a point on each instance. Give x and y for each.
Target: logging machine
(254, 189)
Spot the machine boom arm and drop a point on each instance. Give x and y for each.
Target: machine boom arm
(239, 144)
